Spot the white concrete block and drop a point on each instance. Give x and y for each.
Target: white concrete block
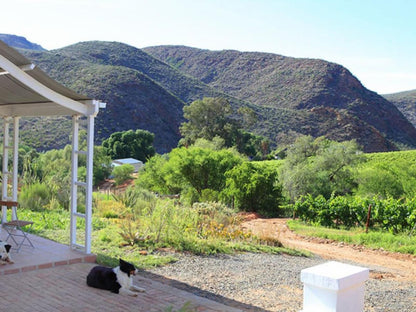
(334, 287)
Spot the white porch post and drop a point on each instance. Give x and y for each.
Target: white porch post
(87, 184)
(15, 163)
(74, 179)
(89, 180)
(5, 173)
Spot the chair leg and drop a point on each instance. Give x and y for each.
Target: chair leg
(10, 235)
(24, 235)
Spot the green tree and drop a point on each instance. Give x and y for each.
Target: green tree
(160, 176)
(203, 168)
(194, 172)
(135, 144)
(101, 165)
(253, 186)
(319, 167)
(254, 146)
(387, 179)
(207, 118)
(212, 118)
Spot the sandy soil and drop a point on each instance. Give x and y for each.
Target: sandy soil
(391, 265)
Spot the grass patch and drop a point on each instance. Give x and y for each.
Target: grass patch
(140, 229)
(374, 239)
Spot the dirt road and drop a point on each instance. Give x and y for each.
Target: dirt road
(384, 264)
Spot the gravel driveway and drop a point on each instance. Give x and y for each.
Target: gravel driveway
(264, 282)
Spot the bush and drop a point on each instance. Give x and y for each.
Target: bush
(122, 173)
(197, 173)
(387, 174)
(253, 187)
(35, 197)
(393, 215)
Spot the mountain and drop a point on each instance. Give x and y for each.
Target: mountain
(133, 99)
(405, 102)
(20, 42)
(147, 89)
(325, 98)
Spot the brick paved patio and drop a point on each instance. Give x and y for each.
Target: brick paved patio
(51, 277)
(63, 288)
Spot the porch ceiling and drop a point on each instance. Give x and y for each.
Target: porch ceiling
(25, 90)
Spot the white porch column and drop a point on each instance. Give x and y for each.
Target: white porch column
(89, 181)
(15, 164)
(75, 184)
(5, 173)
(334, 287)
(74, 180)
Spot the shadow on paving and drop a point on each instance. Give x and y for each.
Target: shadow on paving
(201, 293)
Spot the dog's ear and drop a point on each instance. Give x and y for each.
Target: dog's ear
(123, 265)
(126, 267)
(8, 247)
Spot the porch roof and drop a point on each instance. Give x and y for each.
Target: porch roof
(25, 90)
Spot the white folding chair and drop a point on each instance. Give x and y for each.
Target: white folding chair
(17, 228)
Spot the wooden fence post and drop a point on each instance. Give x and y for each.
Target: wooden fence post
(367, 224)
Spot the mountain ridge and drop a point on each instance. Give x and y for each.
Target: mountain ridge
(405, 101)
(20, 42)
(290, 96)
(274, 80)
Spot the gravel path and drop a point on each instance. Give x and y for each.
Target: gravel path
(263, 282)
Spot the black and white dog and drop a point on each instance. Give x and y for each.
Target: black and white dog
(117, 280)
(4, 253)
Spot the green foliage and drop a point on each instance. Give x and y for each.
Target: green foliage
(135, 144)
(212, 118)
(254, 187)
(206, 228)
(207, 118)
(387, 174)
(203, 168)
(101, 165)
(217, 143)
(388, 214)
(203, 174)
(189, 171)
(375, 239)
(35, 196)
(254, 146)
(319, 167)
(52, 170)
(122, 173)
(147, 222)
(159, 176)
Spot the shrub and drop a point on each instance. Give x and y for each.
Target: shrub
(393, 215)
(35, 197)
(253, 187)
(196, 173)
(122, 173)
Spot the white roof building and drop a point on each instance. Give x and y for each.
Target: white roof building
(137, 164)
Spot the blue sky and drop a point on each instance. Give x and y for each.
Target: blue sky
(374, 39)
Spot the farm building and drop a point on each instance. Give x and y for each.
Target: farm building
(137, 164)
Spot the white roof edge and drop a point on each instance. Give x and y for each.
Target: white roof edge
(43, 90)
